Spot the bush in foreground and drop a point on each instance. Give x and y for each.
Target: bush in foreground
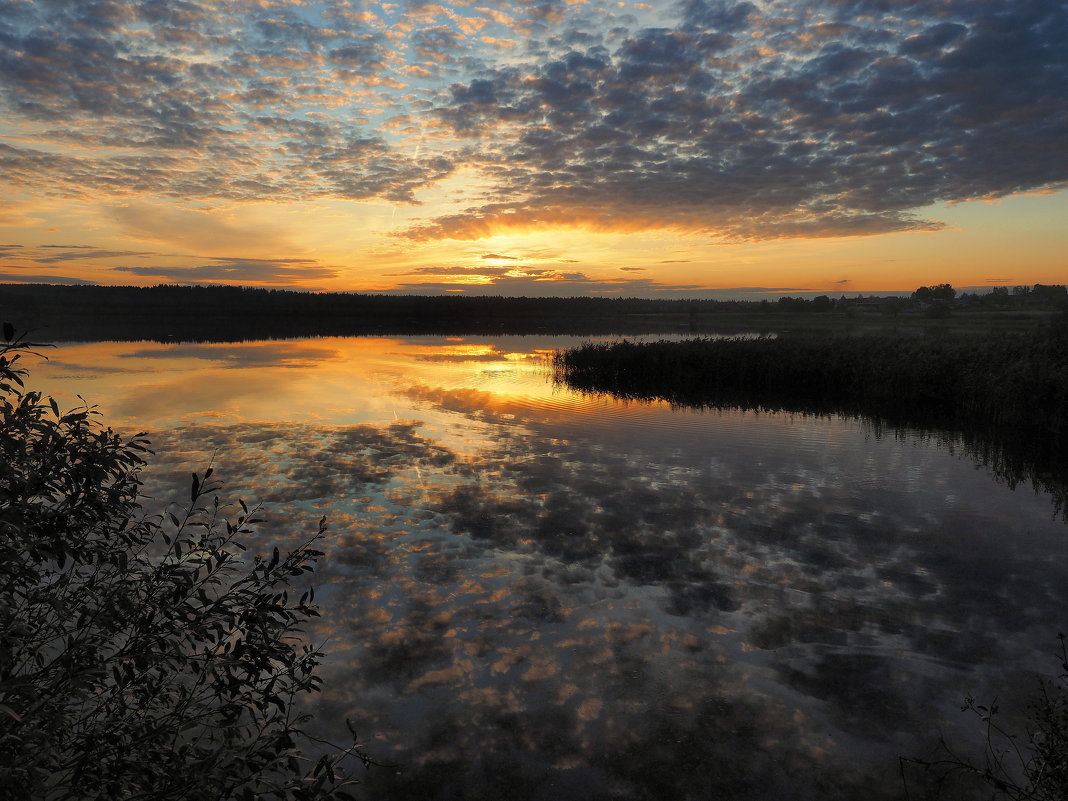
(141, 657)
(1030, 765)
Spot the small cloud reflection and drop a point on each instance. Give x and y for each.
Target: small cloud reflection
(239, 355)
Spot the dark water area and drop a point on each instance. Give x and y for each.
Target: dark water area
(532, 592)
(1015, 458)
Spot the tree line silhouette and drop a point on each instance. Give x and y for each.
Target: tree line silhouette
(197, 313)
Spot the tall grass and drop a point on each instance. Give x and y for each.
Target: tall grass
(1015, 381)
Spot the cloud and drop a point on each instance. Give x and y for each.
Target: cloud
(438, 44)
(199, 231)
(236, 270)
(477, 270)
(583, 210)
(737, 120)
(177, 267)
(746, 122)
(207, 102)
(15, 215)
(28, 278)
(548, 282)
(83, 252)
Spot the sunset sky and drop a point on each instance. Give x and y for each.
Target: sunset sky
(695, 148)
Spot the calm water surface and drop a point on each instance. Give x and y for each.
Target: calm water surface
(530, 594)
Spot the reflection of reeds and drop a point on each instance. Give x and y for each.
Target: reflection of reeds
(1004, 398)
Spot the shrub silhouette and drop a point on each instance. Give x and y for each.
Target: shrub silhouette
(1028, 764)
(142, 657)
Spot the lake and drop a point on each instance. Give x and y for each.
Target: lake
(529, 593)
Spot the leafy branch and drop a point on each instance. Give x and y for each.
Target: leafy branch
(144, 656)
(1027, 766)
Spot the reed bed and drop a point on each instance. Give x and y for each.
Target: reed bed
(1012, 381)
(1002, 399)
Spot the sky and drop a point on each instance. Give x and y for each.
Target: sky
(701, 148)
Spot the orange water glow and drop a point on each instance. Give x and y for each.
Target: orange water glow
(329, 380)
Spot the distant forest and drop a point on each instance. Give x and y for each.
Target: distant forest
(199, 313)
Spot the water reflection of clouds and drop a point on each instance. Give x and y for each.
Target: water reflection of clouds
(480, 357)
(474, 353)
(242, 355)
(544, 596)
(220, 392)
(74, 371)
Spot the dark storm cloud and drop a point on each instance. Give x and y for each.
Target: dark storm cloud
(829, 118)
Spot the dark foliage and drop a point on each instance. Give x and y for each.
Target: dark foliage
(230, 312)
(219, 313)
(1007, 395)
(1027, 765)
(944, 292)
(142, 657)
